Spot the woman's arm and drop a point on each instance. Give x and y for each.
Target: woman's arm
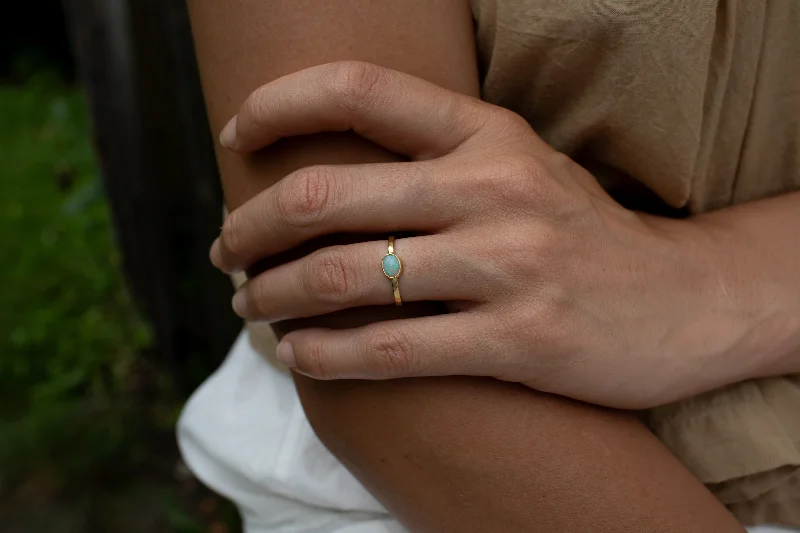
(444, 454)
(756, 254)
(582, 297)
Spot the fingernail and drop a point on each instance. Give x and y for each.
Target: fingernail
(239, 303)
(216, 254)
(227, 137)
(285, 353)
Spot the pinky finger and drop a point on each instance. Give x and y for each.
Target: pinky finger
(439, 345)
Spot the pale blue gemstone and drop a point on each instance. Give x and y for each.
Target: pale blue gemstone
(391, 265)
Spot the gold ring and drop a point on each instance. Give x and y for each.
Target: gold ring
(392, 268)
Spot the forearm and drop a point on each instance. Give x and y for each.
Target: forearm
(753, 251)
(464, 454)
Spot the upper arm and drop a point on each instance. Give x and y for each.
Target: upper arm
(243, 44)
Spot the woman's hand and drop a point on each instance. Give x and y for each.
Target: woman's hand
(551, 283)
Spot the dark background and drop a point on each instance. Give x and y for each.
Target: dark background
(110, 313)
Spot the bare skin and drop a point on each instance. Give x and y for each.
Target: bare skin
(583, 297)
(443, 454)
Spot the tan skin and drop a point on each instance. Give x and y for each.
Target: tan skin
(581, 296)
(443, 454)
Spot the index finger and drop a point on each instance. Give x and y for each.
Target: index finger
(405, 114)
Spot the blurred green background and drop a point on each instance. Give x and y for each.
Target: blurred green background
(87, 410)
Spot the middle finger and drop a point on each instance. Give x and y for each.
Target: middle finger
(323, 200)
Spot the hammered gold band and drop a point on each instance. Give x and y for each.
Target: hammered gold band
(392, 268)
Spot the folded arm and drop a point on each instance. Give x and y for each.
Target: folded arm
(443, 454)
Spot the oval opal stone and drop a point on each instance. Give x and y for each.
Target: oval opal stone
(391, 265)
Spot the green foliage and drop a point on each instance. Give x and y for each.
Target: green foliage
(86, 413)
(69, 333)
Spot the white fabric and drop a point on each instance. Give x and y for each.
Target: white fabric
(244, 434)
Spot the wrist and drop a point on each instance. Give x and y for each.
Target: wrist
(750, 323)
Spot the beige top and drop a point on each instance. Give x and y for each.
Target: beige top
(678, 107)
(698, 100)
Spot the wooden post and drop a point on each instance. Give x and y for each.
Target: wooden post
(136, 60)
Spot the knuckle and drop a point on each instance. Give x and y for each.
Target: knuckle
(538, 257)
(252, 110)
(391, 354)
(258, 296)
(519, 179)
(526, 257)
(560, 160)
(506, 121)
(331, 277)
(548, 242)
(517, 265)
(525, 170)
(314, 361)
(355, 83)
(466, 115)
(231, 234)
(305, 199)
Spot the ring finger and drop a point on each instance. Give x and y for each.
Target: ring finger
(341, 277)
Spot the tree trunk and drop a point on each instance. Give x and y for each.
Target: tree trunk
(136, 60)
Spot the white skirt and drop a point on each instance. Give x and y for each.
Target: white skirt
(245, 435)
